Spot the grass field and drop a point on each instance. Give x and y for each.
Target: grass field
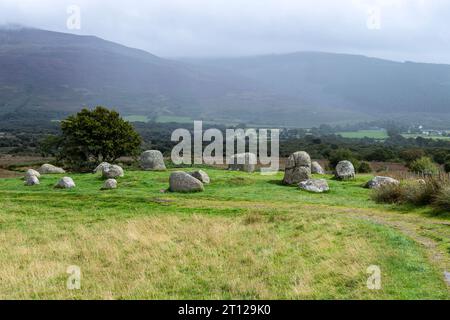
(414, 136)
(374, 134)
(245, 237)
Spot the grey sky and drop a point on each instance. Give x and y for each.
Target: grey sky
(416, 30)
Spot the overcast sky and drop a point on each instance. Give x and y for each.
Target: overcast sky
(417, 30)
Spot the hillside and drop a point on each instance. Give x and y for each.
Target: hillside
(48, 75)
(371, 86)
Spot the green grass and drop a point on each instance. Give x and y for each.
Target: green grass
(246, 237)
(374, 134)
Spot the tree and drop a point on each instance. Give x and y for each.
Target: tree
(424, 165)
(93, 136)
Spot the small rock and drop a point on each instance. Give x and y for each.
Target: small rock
(110, 184)
(201, 175)
(101, 166)
(345, 170)
(316, 168)
(379, 181)
(245, 162)
(152, 160)
(183, 182)
(112, 172)
(65, 183)
(50, 169)
(31, 181)
(315, 185)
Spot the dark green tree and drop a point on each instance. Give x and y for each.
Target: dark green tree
(93, 136)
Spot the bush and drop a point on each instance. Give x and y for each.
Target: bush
(433, 191)
(424, 165)
(364, 167)
(447, 167)
(410, 155)
(388, 193)
(442, 199)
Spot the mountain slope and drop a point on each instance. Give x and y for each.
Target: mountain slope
(350, 82)
(56, 73)
(49, 75)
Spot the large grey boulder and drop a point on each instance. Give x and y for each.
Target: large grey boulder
(112, 172)
(50, 169)
(345, 170)
(316, 168)
(101, 166)
(152, 160)
(380, 181)
(31, 181)
(243, 162)
(110, 184)
(31, 173)
(201, 175)
(298, 168)
(65, 183)
(183, 182)
(315, 185)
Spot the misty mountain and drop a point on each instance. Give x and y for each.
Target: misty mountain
(49, 75)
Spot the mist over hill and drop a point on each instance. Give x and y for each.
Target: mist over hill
(49, 75)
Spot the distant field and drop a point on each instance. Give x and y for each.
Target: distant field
(136, 118)
(374, 134)
(246, 237)
(426, 137)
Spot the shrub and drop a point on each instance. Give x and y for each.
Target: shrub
(388, 193)
(410, 155)
(364, 167)
(447, 167)
(442, 199)
(424, 165)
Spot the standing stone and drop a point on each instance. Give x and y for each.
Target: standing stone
(201, 175)
(345, 170)
(112, 172)
(65, 183)
(315, 185)
(183, 182)
(50, 169)
(31, 181)
(110, 184)
(298, 168)
(316, 168)
(101, 166)
(152, 160)
(379, 181)
(243, 162)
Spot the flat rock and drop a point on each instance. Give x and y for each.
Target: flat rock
(315, 185)
(245, 162)
(50, 169)
(110, 184)
(112, 172)
(201, 175)
(380, 181)
(152, 160)
(345, 170)
(65, 183)
(183, 182)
